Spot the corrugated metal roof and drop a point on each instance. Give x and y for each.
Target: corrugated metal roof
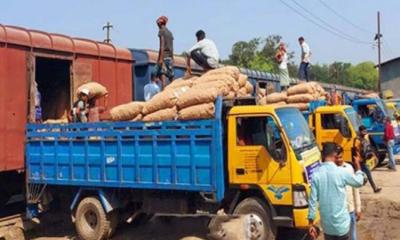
(58, 42)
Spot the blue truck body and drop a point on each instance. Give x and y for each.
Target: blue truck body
(175, 155)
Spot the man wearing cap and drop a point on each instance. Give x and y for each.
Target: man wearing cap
(80, 108)
(164, 67)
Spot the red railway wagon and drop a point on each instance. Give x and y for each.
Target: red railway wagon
(56, 65)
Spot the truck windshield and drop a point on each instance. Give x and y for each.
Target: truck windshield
(296, 128)
(353, 117)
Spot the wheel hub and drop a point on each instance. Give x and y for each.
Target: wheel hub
(254, 227)
(91, 219)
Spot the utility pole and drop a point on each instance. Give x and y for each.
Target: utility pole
(108, 27)
(378, 37)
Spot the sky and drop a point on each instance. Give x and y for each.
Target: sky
(224, 21)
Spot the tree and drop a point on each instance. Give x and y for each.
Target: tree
(363, 75)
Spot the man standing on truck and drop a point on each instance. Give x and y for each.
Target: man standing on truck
(353, 195)
(282, 59)
(328, 188)
(389, 140)
(165, 62)
(204, 53)
(305, 60)
(152, 88)
(362, 152)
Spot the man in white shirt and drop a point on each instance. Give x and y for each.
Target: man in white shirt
(204, 53)
(305, 59)
(353, 195)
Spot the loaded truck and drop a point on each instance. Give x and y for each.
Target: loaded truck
(248, 159)
(335, 123)
(373, 112)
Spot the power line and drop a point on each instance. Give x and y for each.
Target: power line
(344, 18)
(329, 25)
(316, 23)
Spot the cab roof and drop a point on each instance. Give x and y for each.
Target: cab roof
(255, 109)
(329, 108)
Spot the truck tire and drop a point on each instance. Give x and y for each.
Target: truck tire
(260, 227)
(92, 222)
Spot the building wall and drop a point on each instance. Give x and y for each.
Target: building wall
(390, 74)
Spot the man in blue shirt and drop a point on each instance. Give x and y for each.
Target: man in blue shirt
(151, 88)
(328, 189)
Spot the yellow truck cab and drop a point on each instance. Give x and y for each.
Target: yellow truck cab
(272, 150)
(339, 124)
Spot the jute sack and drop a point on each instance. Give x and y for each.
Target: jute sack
(201, 111)
(163, 100)
(197, 96)
(262, 92)
(230, 95)
(300, 106)
(241, 92)
(95, 89)
(180, 82)
(249, 87)
(222, 87)
(301, 98)
(230, 70)
(302, 88)
(138, 118)
(167, 114)
(276, 97)
(262, 101)
(242, 80)
(216, 77)
(235, 87)
(56, 121)
(125, 112)
(279, 104)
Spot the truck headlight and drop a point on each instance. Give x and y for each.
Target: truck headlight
(300, 199)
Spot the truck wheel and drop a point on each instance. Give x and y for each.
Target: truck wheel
(92, 222)
(258, 221)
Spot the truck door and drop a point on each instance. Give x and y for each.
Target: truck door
(328, 130)
(256, 151)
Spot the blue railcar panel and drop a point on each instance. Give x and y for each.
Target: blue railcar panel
(175, 155)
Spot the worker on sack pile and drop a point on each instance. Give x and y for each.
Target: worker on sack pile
(389, 141)
(79, 109)
(165, 62)
(363, 151)
(204, 53)
(305, 60)
(335, 98)
(282, 59)
(151, 88)
(328, 189)
(353, 195)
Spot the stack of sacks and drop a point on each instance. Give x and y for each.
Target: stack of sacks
(301, 94)
(162, 106)
(188, 99)
(275, 98)
(370, 95)
(260, 97)
(96, 90)
(126, 112)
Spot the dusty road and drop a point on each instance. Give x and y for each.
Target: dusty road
(380, 221)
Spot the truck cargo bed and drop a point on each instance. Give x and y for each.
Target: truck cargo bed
(173, 155)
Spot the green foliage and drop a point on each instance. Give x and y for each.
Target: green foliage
(363, 75)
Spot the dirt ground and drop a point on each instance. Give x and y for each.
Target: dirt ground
(380, 220)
